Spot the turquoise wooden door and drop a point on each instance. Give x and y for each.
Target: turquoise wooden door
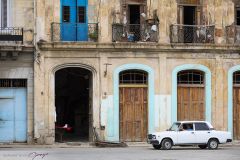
(13, 115)
(74, 23)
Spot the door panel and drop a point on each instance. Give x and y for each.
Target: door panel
(191, 103)
(82, 27)
(20, 115)
(236, 113)
(186, 137)
(6, 119)
(133, 114)
(68, 28)
(13, 115)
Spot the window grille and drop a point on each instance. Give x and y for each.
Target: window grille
(133, 77)
(190, 2)
(81, 14)
(236, 77)
(190, 77)
(66, 14)
(11, 83)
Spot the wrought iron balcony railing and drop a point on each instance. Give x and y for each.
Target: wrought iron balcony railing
(192, 33)
(11, 34)
(233, 34)
(74, 32)
(134, 33)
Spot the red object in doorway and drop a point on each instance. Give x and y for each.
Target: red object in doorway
(65, 128)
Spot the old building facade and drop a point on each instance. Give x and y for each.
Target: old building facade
(135, 66)
(16, 70)
(120, 69)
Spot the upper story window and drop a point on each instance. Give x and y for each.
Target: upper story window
(238, 16)
(190, 12)
(5, 7)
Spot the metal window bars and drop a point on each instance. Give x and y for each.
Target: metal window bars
(192, 33)
(11, 83)
(11, 34)
(236, 77)
(233, 34)
(57, 36)
(134, 32)
(133, 77)
(190, 77)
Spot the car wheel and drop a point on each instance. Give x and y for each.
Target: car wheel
(213, 144)
(166, 144)
(202, 146)
(157, 146)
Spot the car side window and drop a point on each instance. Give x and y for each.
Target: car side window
(187, 126)
(201, 127)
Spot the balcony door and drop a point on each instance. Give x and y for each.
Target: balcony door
(189, 18)
(74, 26)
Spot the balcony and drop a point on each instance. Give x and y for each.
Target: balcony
(11, 34)
(233, 34)
(192, 33)
(74, 32)
(134, 33)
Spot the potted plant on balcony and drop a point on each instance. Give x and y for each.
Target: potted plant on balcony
(93, 36)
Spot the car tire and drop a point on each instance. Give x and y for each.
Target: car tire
(202, 146)
(167, 144)
(213, 144)
(157, 146)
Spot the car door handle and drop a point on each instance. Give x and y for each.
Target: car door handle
(208, 132)
(192, 132)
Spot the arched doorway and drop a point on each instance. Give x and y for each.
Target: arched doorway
(190, 95)
(73, 102)
(236, 105)
(133, 107)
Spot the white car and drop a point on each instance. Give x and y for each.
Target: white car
(185, 133)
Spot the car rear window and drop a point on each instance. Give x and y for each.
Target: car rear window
(201, 127)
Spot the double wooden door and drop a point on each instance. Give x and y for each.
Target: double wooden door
(236, 112)
(133, 114)
(191, 102)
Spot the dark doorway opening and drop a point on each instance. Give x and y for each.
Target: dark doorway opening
(189, 19)
(238, 16)
(134, 21)
(73, 105)
(134, 14)
(189, 15)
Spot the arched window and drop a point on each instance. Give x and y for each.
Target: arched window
(236, 78)
(133, 77)
(190, 77)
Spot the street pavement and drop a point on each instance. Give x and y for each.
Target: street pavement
(128, 153)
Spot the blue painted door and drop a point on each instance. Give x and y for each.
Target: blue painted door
(13, 115)
(74, 26)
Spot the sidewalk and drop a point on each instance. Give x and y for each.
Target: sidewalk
(87, 145)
